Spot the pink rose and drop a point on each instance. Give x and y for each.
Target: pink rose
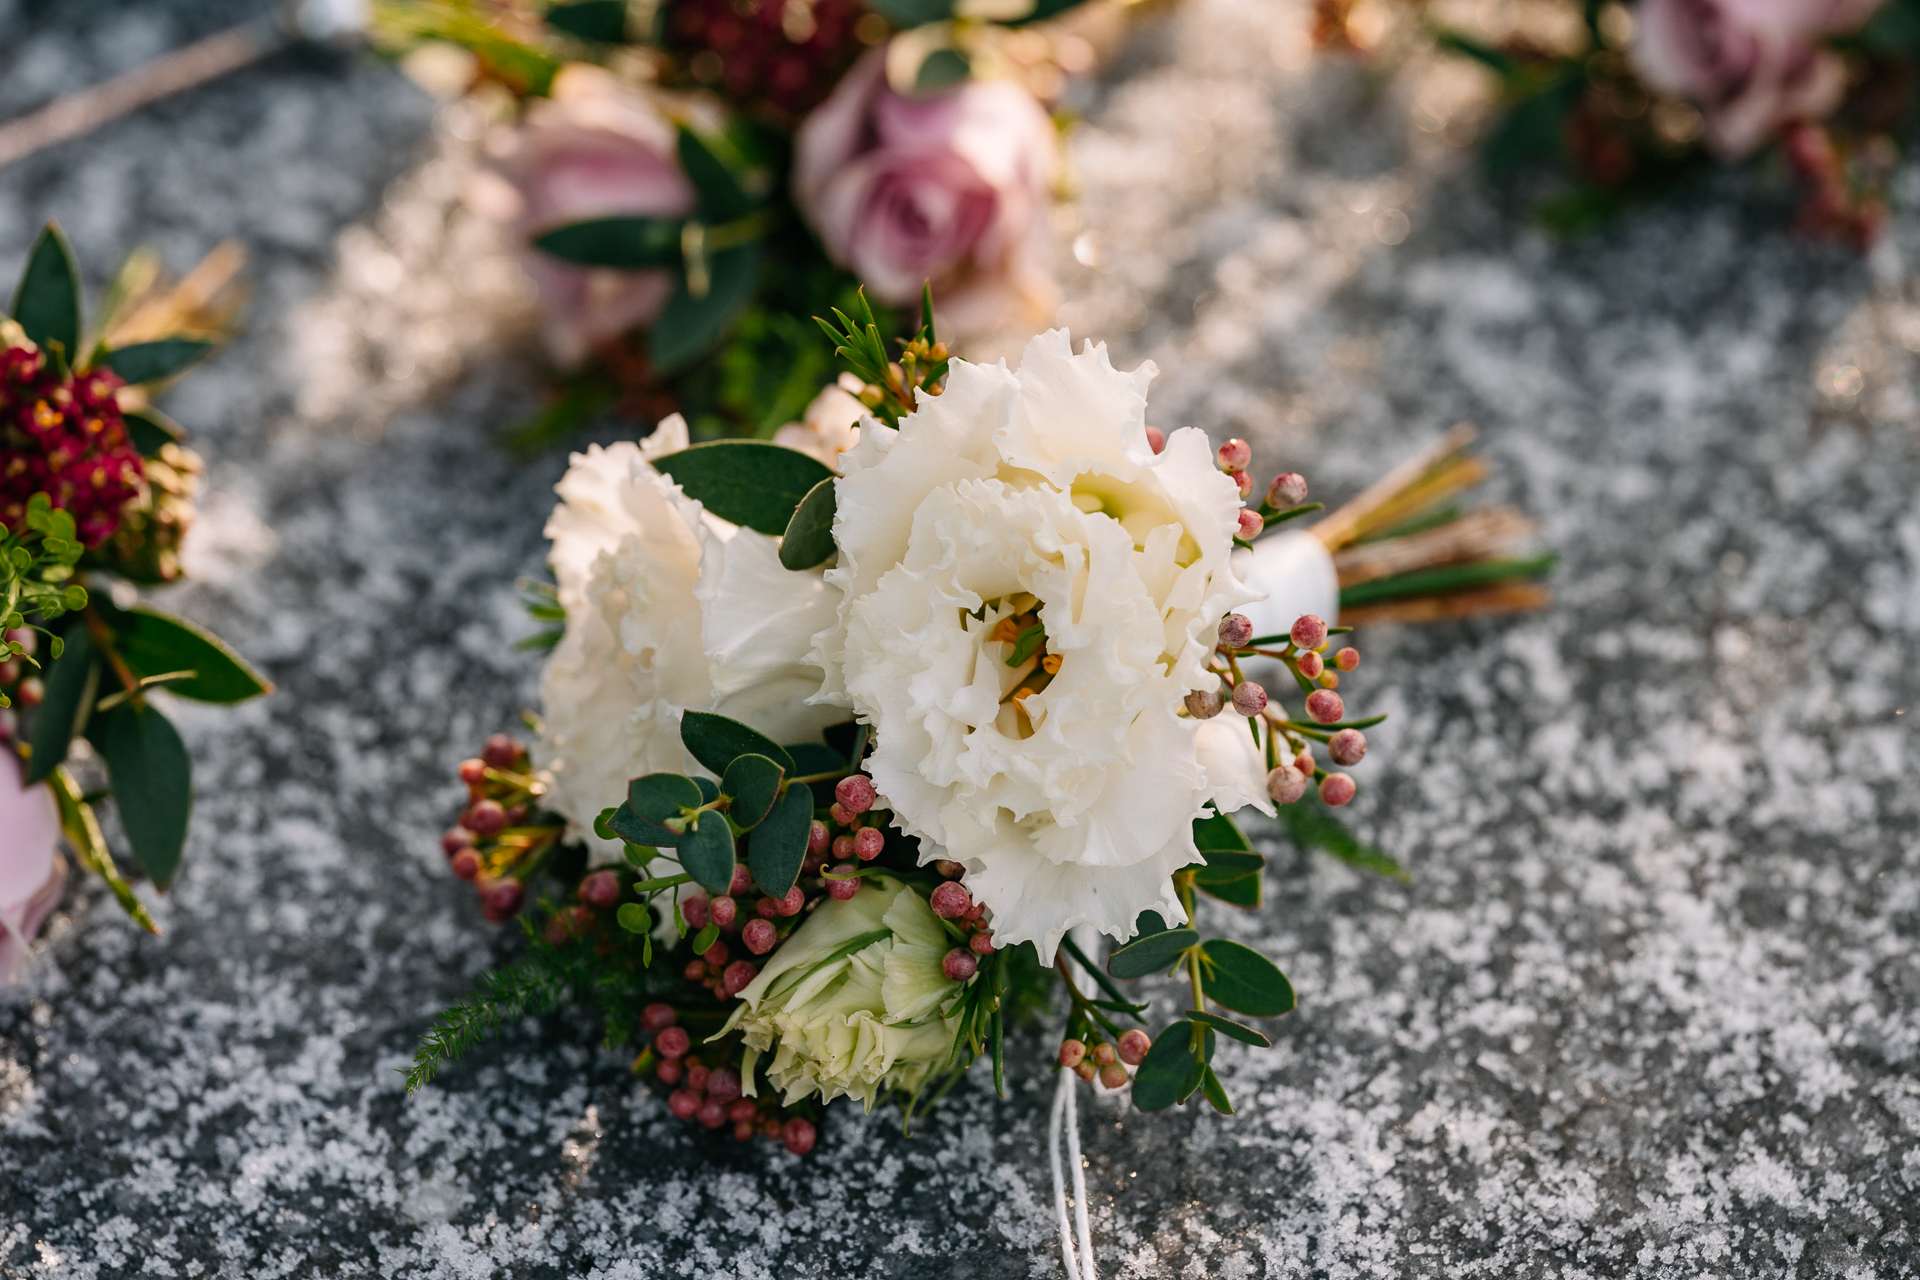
(32, 871)
(951, 187)
(596, 148)
(1751, 66)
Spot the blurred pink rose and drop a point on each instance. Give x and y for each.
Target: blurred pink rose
(1751, 66)
(953, 187)
(32, 871)
(597, 147)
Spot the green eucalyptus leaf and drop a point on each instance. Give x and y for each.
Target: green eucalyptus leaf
(1249, 892)
(718, 173)
(778, 846)
(652, 799)
(709, 789)
(1155, 953)
(1228, 1027)
(1219, 832)
(1215, 1092)
(1241, 979)
(689, 326)
(152, 361)
(1156, 1085)
(808, 539)
(1223, 865)
(1197, 1063)
(716, 741)
(635, 918)
(708, 935)
(604, 21)
(71, 684)
(151, 430)
(749, 482)
(752, 782)
(1315, 828)
(154, 643)
(152, 779)
(47, 303)
(707, 852)
(623, 243)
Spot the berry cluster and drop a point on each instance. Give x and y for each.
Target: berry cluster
(500, 842)
(63, 436)
(1845, 188)
(780, 56)
(1111, 1063)
(710, 1095)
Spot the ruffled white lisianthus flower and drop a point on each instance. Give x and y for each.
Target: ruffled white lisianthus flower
(854, 1002)
(1036, 495)
(668, 609)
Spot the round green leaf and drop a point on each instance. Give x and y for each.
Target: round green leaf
(808, 539)
(716, 741)
(749, 482)
(1239, 978)
(778, 845)
(752, 782)
(1155, 953)
(707, 852)
(635, 918)
(651, 800)
(152, 779)
(624, 243)
(1156, 1085)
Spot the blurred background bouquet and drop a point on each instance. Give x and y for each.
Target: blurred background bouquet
(688, 180)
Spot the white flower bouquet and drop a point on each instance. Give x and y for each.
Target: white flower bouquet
(833, 760)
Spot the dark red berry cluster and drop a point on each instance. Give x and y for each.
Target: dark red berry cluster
(780, 56)
(712, 1095)
(63, 436)
(497, 844)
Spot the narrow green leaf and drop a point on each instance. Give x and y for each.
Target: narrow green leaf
(152, 361)
(808, 540)
(71, 684)
(708, 935)
(1223, 865)
(1315, 828)
(716, 741)
(1156, 1085)
(626, 243)
(1219, 832)
(1456, 577)
(913, 13)
(778, 846)
(1248, 892)
(1153, 954)
(604, 21)
(1241, 979)
(47, 303)
(749, 482)
(718, 175)
(942, 69)
(752, 782)
(1228, 1027)
(1200, 1055)
(151, 430)
(152, 779)
(1216, 1093)
(707, 853)
(153, 643)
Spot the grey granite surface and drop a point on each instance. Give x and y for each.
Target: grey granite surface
(1647, 1009)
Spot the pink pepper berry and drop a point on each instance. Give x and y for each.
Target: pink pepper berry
(712, 1114)
(696, 970)
(1234, 455)
(1251, 525)
(1348, 747)
(742, 1111)
(840, 814)
(739, 975)
(501, 751)
(767, 908)
(715, 955)
(1324, 705)
(670, 1070)
(504, 898)
(1347, 659)
(1156, 439)
(672, 1042)
(1309, 631)
(742, 881)
(797, 1136)
(456, 839)
(466, 864)
(819, 839)
(1071, 1052)
(485, 818)
(723, 911)
(843, 847)
(947, 869)
(1243, 482)
(696, 911)
(473, 772)
(982, 944)
(742, 1129)
(959, 965)
(1235, 630)
(1114, 1076)
(855, 793)
(697, 1074)
(724, 1084)
(1288, 490)
(1104, 1055)
(1249, 699)
(1286, 784)
(1304, 763)
(951, 901)
(791, 904)
(601, 889)
(759, 936)
(843, 890)
(1133, 1047)
(868, 842)
(1337, 789)
(683, 1103)
(1086, 1071)
(1311, 664)
(658, 1017)
(1204, 704)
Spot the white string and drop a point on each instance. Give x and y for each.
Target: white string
(1066, 1116)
